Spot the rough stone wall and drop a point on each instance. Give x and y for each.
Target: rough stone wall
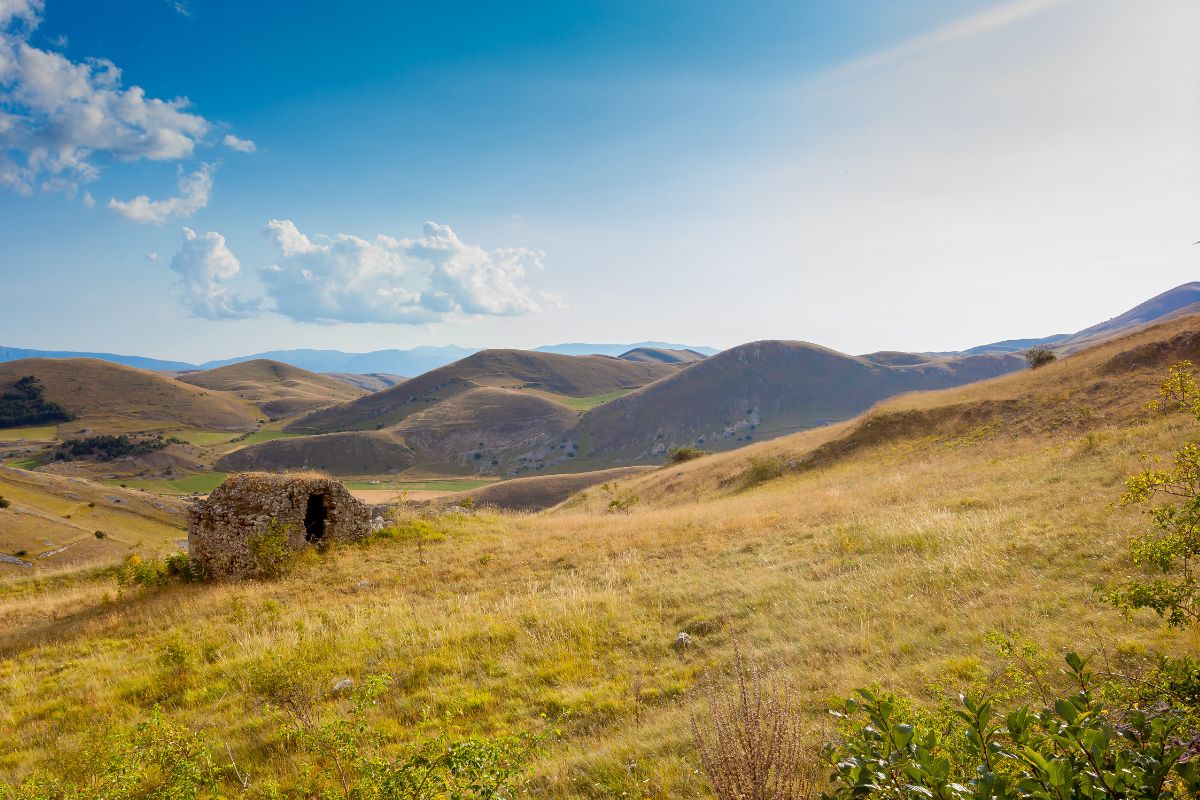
(220, 527)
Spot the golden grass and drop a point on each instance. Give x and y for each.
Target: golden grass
(891, 565)
(889, 569)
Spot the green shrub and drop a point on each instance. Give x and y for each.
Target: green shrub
(763, 469)
(678, 455)
(619, 502)
(1171, 551)
(138, 572)
(157, 758)
(4, 503)
(101, 535)
(1075, 748)
(180, 565)
(1039, 357)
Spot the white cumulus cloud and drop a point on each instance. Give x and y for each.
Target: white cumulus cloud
(203, 264)
(59, 119)
(239, 144)
(435, 276)
(193, 196)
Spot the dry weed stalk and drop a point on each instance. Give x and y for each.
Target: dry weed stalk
(750, 742)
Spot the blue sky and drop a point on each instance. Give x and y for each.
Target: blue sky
(866, 175)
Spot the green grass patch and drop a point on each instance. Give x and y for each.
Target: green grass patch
(203, 482)
(205, 438)
(263, 435)
(31, 462)
(585, 403)
(37, 433)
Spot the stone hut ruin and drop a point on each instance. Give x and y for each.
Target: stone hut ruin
(314, 511)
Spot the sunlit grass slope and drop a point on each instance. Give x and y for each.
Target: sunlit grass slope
(888, 549)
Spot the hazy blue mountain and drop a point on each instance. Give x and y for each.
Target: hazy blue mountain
(1183, 299)
(17, 353)
(397, 362)
(586, 349)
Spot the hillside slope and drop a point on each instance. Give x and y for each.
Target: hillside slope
(1101, 387)
(53, 522)
(765, 389)
(370, 382)
(107, 397)
(467, 432)
(574, 376)
(968, 526)
(278, 389)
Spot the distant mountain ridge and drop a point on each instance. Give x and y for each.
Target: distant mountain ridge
(17, 353)
(412, 361)
(618, 350)
(1183, 299)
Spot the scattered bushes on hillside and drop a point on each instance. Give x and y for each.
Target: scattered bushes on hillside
(1039, 357)
(108, 448)
(619, 502)
(153, 573)
(24, 404)
(1171, 550)
(678, 455)
(763, 469)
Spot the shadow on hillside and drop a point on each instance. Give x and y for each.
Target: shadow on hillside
(87, 621)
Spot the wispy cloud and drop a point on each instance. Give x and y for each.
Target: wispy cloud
(194, 190)
(239, 144)
(960, 30)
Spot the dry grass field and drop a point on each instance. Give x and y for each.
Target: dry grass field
(891, 550)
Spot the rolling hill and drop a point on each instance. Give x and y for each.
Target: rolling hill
(766, 389)
(110, 398)
(370, 382)
(662, 355)
(571, 376)
(278, 389)
(464, 433)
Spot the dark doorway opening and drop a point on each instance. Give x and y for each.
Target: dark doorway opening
(314, 518)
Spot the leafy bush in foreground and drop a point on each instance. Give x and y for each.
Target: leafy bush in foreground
(1074, 749)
